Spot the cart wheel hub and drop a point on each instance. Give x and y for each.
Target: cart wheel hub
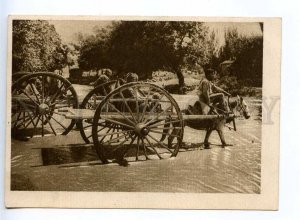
(141, 129)
(43, 108)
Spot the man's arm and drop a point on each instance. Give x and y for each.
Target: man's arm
(218, 89)
(205, 92)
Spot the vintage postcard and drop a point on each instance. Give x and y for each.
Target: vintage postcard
(143, 112)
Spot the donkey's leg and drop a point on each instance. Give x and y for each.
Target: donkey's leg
(207, 135)
(222, 137)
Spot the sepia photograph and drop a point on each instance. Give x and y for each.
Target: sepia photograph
(139, 107)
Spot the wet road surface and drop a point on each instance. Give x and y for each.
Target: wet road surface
(45, 164)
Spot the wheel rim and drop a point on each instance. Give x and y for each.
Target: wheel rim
(39, 103)
(91, 101)
(132, 120)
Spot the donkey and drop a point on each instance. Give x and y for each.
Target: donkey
(237, 105)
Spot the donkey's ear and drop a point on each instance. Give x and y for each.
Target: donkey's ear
(241, 98)
(238, 96)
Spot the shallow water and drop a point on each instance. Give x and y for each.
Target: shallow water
(46, 164)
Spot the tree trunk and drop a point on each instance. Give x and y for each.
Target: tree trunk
(181, 83)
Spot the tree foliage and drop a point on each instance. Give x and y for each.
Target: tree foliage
(37, 47)
(147, 46)
(248, 55)
(214, 51)
(93, 50)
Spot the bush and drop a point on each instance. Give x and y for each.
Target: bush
(229, 84)
(75, 73)
(234, 86)
(175, 89)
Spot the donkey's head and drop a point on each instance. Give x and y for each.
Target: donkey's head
(242, 107)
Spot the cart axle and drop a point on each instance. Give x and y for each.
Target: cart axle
(141, 129)
(43, 108)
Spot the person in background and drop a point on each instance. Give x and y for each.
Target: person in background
(103, 78)
(211, 95)
(132, 77)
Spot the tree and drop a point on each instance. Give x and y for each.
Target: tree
(93, 50)
(248, 55)
(214, 51)
(36, 47)
(147, 46)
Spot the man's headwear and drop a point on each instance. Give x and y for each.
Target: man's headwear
(210, 71)
(132, 77)
(107, 72)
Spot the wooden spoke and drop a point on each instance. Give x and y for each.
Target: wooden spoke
(122, 143)
(105, 92)
(145, 106)
(120, 113)
(43, 89)
(153, 148)
(128, 146)
(59, 123)
(128, 106)
(161, 144)
(42, 125)
(117, 130)
(49, 122)
(60, 92)
(118, 123)
(23, 120)
(157, 116)
(156, 104)
(33, 91)
(26, 105)
(137, 149)
(52, 99)
(104, 136)
(137, 104)
(31, 122)
(25, 93)
(16, 121)
(97, 131)
(115, 139)
(35, 125)
(114, 133)
(114, 128)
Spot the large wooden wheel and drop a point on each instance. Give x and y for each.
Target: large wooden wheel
(130, 121)
(91, 101)
(16, 76)
(39, 103)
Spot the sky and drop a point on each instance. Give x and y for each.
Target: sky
(68, 29)
(243, 28)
